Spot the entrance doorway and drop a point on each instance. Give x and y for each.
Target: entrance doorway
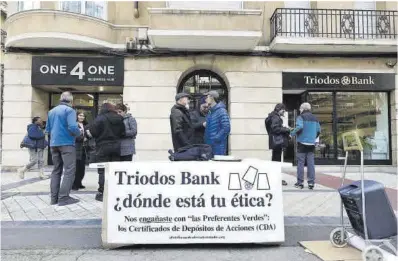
(88, 103)
(339, 112)
(199, 82)
(292, 101)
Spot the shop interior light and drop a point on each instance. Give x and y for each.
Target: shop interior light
(91, 96)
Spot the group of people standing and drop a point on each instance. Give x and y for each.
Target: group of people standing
(307, 131)
(209, 124)
(110, 137)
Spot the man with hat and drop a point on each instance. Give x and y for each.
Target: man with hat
(198, 118)
(217, 125)
(180, 122)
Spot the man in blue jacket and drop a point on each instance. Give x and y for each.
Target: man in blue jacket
(62, 128)
(307, 131)
(217, 124)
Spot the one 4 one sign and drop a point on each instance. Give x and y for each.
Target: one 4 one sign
(89, 71)
(193, 202)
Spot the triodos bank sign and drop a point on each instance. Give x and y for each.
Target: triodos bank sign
(344, 80)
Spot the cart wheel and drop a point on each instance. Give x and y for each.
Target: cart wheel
(337, 239)
(372, 253)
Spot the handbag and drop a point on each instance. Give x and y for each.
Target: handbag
(27, 143)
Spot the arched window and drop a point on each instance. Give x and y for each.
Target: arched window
(199, 82)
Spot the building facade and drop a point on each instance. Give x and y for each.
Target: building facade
(339, 56)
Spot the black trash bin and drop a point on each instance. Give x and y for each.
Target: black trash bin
(380, 217)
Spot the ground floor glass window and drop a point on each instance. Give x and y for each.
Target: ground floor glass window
(340, 112)
(366, 113)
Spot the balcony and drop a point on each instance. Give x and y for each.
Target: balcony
(55, 29)
(205, 30)
(333, 31)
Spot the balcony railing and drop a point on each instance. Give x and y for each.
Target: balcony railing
(334, 23)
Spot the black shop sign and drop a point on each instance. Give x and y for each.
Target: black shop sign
(338, 81)
(80, 71)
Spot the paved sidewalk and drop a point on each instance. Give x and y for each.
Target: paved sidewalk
(28, 200)
(164, 254)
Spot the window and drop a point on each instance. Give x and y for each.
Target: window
(96, 9)
(297, 17)
(366, 113)
(200, 82)
(365, 19)
(210, 5)
(27, 5)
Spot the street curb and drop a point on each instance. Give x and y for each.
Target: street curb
(86, 234)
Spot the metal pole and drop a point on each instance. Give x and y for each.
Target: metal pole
(342, 184)
(365, 225)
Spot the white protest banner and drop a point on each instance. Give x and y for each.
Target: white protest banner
(193, 202)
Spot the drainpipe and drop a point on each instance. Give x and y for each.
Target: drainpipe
(136, 12)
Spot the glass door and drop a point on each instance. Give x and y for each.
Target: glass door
(322, 107)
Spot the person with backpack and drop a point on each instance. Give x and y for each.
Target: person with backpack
(36, 142)
(278, 135)
(127, 144)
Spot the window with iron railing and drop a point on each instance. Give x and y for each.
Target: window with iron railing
(96, 9)
(334, 23)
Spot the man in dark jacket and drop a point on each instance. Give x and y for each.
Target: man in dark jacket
(180, 122)
(198, 118)
(277, 134)
(108, 130)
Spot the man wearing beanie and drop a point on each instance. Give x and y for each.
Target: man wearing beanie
(218, 125)
(198, 118)
(180, 122)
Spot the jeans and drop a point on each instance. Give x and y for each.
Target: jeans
(106, 152)
(64, 157)
(80, 171)
(305, 152)
(36, 157)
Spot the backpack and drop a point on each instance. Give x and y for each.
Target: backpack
(268, 122)
(197, 152)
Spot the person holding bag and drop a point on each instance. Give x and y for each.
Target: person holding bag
(81, 152)
(278, 135)
(36, 143)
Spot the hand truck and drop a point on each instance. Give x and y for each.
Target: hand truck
(340, 237)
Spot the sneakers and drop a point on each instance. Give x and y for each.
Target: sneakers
(99, 197)
(298, 185)
(21, 173)
(42, 175)
(69, 201)
(284, 183)
(311, 186)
